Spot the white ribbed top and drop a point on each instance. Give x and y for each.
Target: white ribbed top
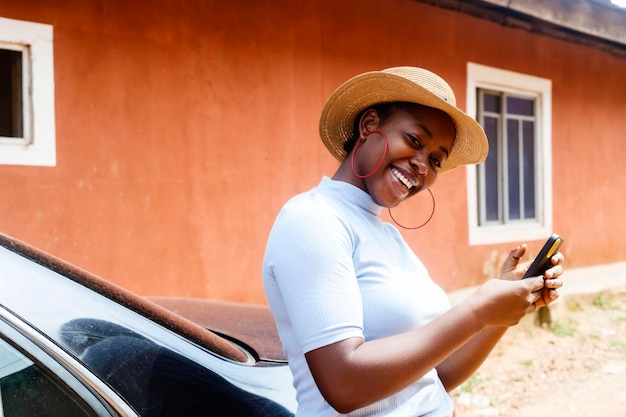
(333, 270)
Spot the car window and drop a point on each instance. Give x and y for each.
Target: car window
(27, 390)
(157, 381)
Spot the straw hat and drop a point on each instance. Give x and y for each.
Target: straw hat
(400, 84)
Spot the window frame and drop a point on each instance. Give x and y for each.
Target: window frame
(495, 79)
(69, 373)
(38, 144)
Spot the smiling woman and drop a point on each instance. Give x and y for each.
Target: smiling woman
(365, 329)
(412, 130)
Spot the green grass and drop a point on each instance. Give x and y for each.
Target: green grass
(604, 302)
(561, 329)
(619, 345)
(470, 385)
(574, 306)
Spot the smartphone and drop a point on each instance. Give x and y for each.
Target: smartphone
(542, 262)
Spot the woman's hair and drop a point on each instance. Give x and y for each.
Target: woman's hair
(384, 110)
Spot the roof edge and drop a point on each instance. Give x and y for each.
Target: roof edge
(594, 23)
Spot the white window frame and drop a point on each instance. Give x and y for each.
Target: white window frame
(481, 76)
(38, 145)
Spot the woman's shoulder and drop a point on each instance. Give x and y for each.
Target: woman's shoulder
(312, 204)
(322, 196)
(318, 210)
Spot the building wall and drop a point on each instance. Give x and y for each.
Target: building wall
(183, 126)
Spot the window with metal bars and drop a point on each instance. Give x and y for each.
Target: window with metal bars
(507, 180)
(510, 194)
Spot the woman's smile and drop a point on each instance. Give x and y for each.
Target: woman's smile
(407, 183)
(403, 184)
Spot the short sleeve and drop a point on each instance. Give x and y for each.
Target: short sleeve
(309, 260)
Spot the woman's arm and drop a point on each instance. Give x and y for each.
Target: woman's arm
(459, 366)
(352, 373)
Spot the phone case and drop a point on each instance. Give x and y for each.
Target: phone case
(542, 262)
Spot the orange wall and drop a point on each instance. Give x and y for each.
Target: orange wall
(183, 126)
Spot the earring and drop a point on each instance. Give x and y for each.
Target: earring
(421, 225)
(381, 159)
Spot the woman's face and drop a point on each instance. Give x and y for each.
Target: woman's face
(419, 141)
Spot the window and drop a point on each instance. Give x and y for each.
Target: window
(506, 181)
(27, 127)
(509, 195)
(11, 93)
(27, 390)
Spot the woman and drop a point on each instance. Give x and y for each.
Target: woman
(365, 329)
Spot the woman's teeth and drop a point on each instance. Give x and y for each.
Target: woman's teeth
(404, 180)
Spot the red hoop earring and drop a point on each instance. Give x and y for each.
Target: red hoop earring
(381, 159)
(421, 225)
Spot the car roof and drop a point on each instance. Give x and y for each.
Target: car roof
(248, 323)
(189, 318)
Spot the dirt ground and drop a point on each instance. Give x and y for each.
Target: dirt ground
(573, 366)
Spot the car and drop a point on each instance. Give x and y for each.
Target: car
(74, 344)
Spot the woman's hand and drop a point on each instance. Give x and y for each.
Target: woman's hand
(513, 270)
(498, 304)
(501, 302)
(552, 282)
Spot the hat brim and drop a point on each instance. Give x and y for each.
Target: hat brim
(470, 144)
